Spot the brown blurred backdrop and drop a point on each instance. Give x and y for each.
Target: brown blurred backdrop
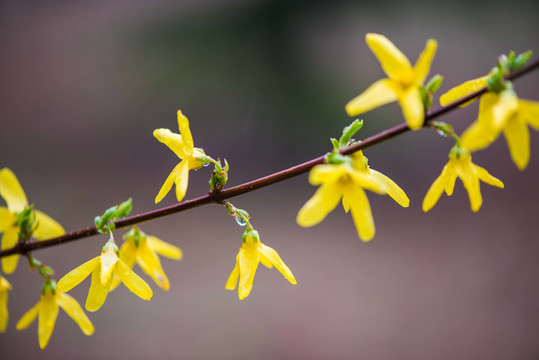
(264, 83)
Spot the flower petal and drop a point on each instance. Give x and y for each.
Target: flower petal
(265, 261)
(47, 227)
(234, 275)
(477, 137)
(11, 191)
(174, 141)
(133, 281)
(412, 108)
(463, 90)
(503, 109)
(483, 175)
(149, 263)
(325, 199)
(391, 187)
(28, 317)
(326, 173)
(108, 260)
(164, 249)
(77, 275)
(422, 65)
(275, 259)
(395, 64)
(171, 179)
(529, 111)
(361, 212)
(4, 314)
(471, 184)
(248, 261)
(182, 180)
(183, 125)
(8, 219)
(517, 136)
(434, 193)
(9, 239)
(74, 310)
(48, 312)
(379, 93)
(98, 292)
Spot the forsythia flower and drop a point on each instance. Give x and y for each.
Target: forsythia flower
(4, 315)
(102, 269)
(47, 309)
(460, 165)
(403, 82)
(12, 192)
(347, 181)
(143, 249)
(252, 252)
(183, 146)
(463, 90)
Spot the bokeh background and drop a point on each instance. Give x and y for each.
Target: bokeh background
(264, 83)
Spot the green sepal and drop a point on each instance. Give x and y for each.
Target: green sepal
(434, 83)
(426, 97)
(136, 235)
(336, 158)
(348, 132)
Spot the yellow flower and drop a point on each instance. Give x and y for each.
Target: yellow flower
(183, 146)
(102, 268)
(506, 113)
(12, 192)
(252, 252)
(47, 309)
(460, 165)
(403, 82)
(143, 249)
(463, 90)
(347, 181)
(4, 315)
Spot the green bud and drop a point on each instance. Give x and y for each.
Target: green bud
(434, 83)
(521, 60)
(335, 143)
(111, 244)
(336, 158)
(426, 97)
(443, 128)
(250, 234)
(349, 131)
(124, 209)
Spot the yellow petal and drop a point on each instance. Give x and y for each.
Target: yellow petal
(326, 173)
(149, 263)
(163, 248)
(471, 184)
(379, 93)
(322, 203)
(234, 275)
(77, 275)
(172, 140)
(517, 136)
(265, 261)
(529, 111)
(47, 227)
(9, 239)
(395, 64)
(412, 108)
(133, 282)
(98, 292)
(248, 261)
(503, 109)
(361, 212)
(11, 191)
(183, 125)
(391, 188)
(422, 65)
(182, 180)
(463, 90)
(108, 260)
(434, 193)
(74, 310)
(477, 137)
(128, 253)
(28, 317)
(483, 175)
(275, 259)
(4, 314)
(48, 311)
(171, 179)
(8, 219)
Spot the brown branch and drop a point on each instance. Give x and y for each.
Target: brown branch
(382, 136)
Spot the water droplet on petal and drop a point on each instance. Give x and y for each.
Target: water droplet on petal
(240, 221)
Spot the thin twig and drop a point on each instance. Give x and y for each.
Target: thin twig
(382, 136)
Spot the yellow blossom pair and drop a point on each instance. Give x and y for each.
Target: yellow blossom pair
(460, 165)
(403, 84)
(346, 181)
(503, 112)
(183, 146)
(47, 310)
(251, 253)
(5, 286)
(144, 249)
(102, 269)
(15, 198)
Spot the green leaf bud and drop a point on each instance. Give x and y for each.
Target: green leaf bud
(349, 131)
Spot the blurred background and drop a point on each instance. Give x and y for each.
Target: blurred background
(264, 84)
